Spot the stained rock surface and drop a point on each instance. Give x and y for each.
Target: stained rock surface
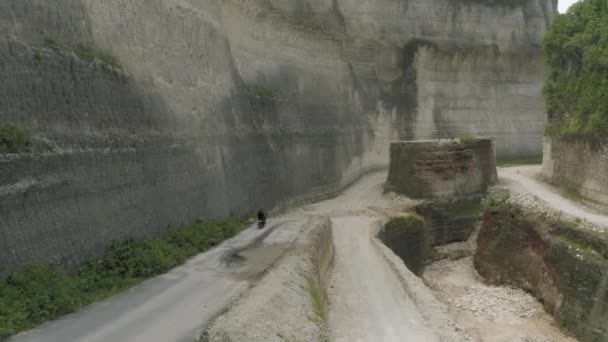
(149, 113)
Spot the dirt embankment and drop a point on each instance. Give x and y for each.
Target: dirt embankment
(563, 266)
(290, 302)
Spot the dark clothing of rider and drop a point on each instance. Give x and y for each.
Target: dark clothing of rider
(261, 216)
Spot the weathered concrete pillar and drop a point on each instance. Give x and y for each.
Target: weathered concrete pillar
(442, 169)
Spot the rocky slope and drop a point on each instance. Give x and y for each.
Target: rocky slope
(560, 262)
(151, 113)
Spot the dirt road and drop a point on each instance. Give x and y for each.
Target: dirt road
(369, 302)
(524, 180)
(373, 297)
(177, 306)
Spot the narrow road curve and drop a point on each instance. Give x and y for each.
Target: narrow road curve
(176, 306)
(179, 305)
(369, 302)
(524, 180)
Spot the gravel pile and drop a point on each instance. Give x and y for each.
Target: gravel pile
(498, 304)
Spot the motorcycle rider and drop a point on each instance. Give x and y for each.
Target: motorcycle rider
(261, 217)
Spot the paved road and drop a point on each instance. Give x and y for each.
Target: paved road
(523, 179)
(176, 306)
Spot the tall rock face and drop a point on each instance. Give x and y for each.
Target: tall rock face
(151, 113)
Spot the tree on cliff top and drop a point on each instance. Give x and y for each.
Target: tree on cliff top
(576, 92)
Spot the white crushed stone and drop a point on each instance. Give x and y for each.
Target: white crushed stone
(498, 304)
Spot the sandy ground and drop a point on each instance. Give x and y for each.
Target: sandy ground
(524, 180)
(490, 313)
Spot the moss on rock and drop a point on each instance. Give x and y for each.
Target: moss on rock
(409, 238)
(564, 266)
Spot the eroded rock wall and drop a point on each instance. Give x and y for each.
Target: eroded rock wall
(561, 264)
(443, 169)
(580, 166)
(218, 107)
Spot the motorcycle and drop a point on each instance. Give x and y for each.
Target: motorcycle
(261, 223)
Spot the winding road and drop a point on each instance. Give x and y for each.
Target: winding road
(524, 180)
(369, 299)
(176, 306)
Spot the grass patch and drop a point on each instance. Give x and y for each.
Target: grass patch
(89, 53)
(410, 219)
(495, 201)
(571, 193)
(467, 139)
(468, 207)
(519, 162)
(52, 42)
(566, 190)
(41, 292)
(319, 304)
(583, 251)
(14, 137)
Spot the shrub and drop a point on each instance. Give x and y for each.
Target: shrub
(33, 295)
(40, 292)
(89, 53)
(576, 92)
(14, 137)
(467, 139)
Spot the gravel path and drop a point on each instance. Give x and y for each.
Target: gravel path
(369, 302)
(524, 180)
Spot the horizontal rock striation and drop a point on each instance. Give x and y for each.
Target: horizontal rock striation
(152, 113)
(442, 169)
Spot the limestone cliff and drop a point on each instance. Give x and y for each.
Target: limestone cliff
(151, 113)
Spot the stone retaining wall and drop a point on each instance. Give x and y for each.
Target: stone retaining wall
(579, 166)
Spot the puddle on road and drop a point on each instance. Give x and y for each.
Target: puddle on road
(251, 262)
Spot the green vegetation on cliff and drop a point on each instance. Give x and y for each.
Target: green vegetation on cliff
(576, 92)
(409, 238)
(14, 137)
(41, 292)
(89, 53)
